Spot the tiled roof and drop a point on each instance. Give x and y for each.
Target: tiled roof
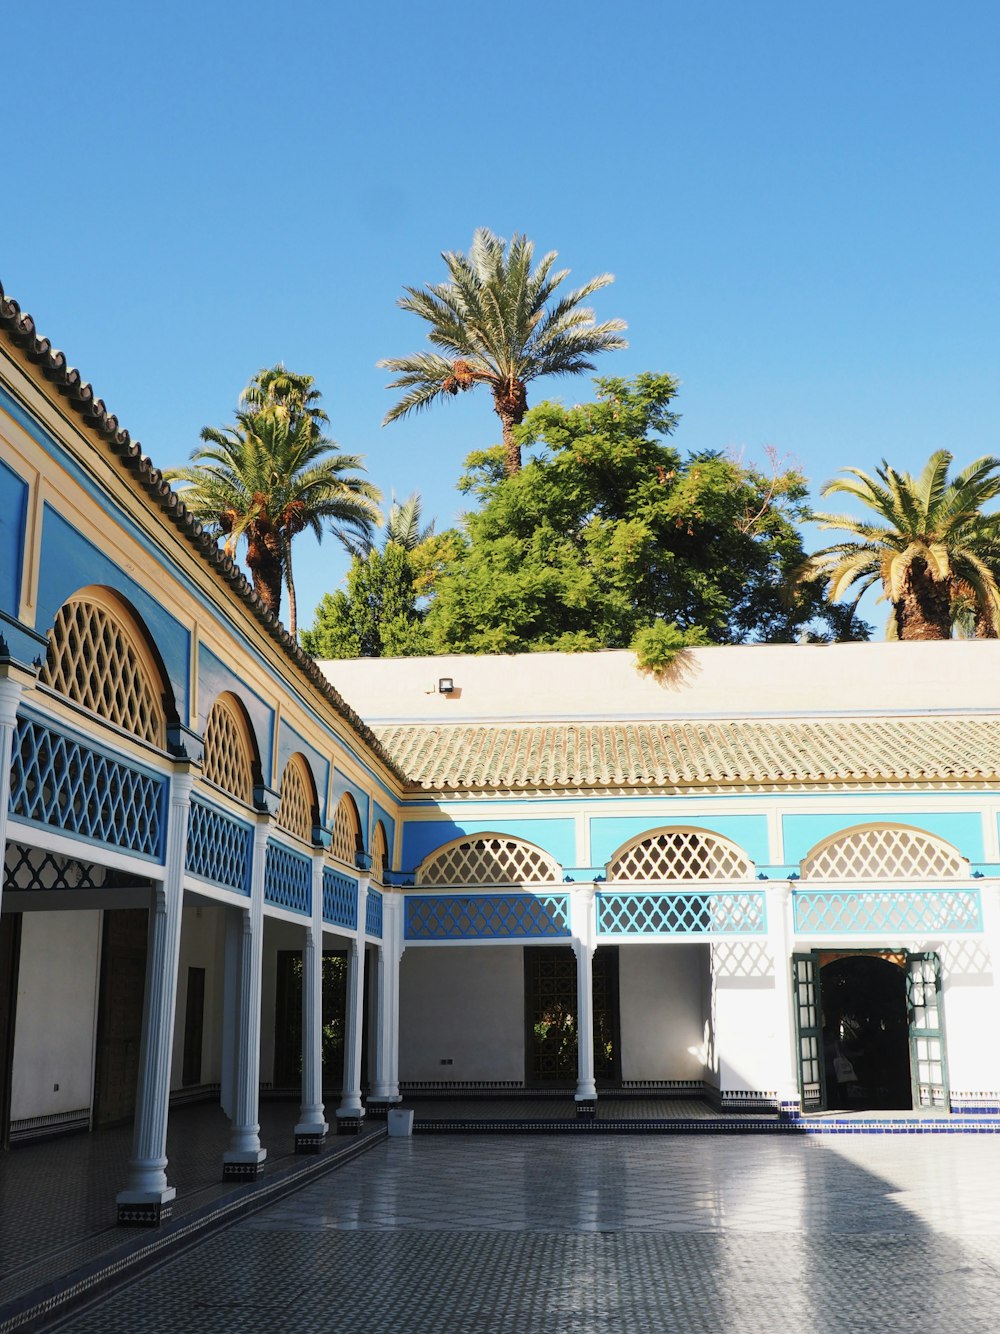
(453, 758)
(19, 328)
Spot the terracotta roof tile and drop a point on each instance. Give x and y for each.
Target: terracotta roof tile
(456, 757)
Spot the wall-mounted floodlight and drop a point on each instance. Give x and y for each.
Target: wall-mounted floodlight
(446, 685)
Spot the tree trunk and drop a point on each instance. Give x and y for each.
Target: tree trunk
(266, 568)
(290, 583)
(924, 610)
(510, 403)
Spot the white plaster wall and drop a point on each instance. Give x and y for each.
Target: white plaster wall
(747, 1018)
(466, 1003)
(661, 1010)
(971, 1016)
(202, 936)
(57, 992)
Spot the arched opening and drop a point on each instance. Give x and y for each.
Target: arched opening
(866, 1038)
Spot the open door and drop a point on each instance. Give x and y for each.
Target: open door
(809, 1031)
(928, 1068)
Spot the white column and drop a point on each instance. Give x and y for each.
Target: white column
(584, 927)
(311, 1129)
(350, 1112)
(385, 1087)
(10, 695)
(146, 1199)
(243, 1159)
(780, 935)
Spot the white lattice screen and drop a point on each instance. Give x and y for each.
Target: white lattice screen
(488, 861)
(380, 853)
(295, 811)
(346, 831)
(883, 853)
(228, 761)
(96, 662)
(679, 854)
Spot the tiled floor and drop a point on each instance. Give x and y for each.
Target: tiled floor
(568, 1235)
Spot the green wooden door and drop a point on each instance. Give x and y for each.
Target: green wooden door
(809, 1031)
(928, 1065)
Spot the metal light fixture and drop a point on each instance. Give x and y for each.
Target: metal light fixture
(446, 685)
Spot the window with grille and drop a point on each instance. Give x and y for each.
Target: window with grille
(228, 761)
(680, 854)
(347, 841)
(490, 860)
(298, 801)
(380, 855)
(96, 660)
(883, 852)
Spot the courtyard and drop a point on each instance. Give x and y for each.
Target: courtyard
(488, 1233)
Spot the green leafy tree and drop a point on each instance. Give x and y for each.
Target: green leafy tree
(378, 616)
(609, 530)
(273, 475)
(492, 324)
(927, 545)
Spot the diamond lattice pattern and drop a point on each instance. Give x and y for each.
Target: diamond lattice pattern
(228, 758)
(219, 848)
(340, 899)
(680, 854)
(884, 853)
(287, 879)
(682, 913)
(912, 910)
(32, 868)
(95, 662)
(346, 842)
(373, 914)
(489, 861)
(296, 806)
(60, 782)
(486, 916)
(380, 853)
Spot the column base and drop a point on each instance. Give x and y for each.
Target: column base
(243, 1165)
(310, 1137)
(586, 1109)
(378, 1108)
(350, 1121)
(145, 1208)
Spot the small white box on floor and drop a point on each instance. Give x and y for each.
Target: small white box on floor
(400, 1121)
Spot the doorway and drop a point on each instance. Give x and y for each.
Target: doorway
(288, 1019)
(119, 1022)
(550, 1016)
(870, 1030)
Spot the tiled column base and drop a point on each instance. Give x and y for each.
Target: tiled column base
(309, 1143)
(379, 1110)
(586, 1110)
(149, 1214)
(242, 1171)
(350, 1125)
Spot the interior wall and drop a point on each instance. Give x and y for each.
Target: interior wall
(57, 990)
(464, 1004)
(202, 937)
(661, 1008)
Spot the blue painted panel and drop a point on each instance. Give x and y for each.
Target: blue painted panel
(215, 677)
(220, 848)
(486, 916)
(962, 829)
(69, 561)
(340, 899)
(289, 742)
(380, 813)
(373, 914)
(13, 516)
(361, 800)
(287, 878)
(556, 837)
(609, 832)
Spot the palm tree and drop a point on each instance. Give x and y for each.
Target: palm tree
(930, 546)
(493, 325)
(402, 526)
(267, 479)
(278, 387)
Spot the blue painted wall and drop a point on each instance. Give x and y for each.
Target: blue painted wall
(13, 517)
(962, 829)
(379, 813)
(69, 562)
(556, 837)
(215, 677)
(289, 742)
(608, 833)
(361, 800)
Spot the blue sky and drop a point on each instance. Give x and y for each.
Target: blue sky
(799, 204)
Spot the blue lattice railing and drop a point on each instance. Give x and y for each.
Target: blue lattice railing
(373, 913)
(66, 785)
(486, 916)
(340, 899)
(220, 847)
(703, 912)
(287, 878)
(864, 910)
